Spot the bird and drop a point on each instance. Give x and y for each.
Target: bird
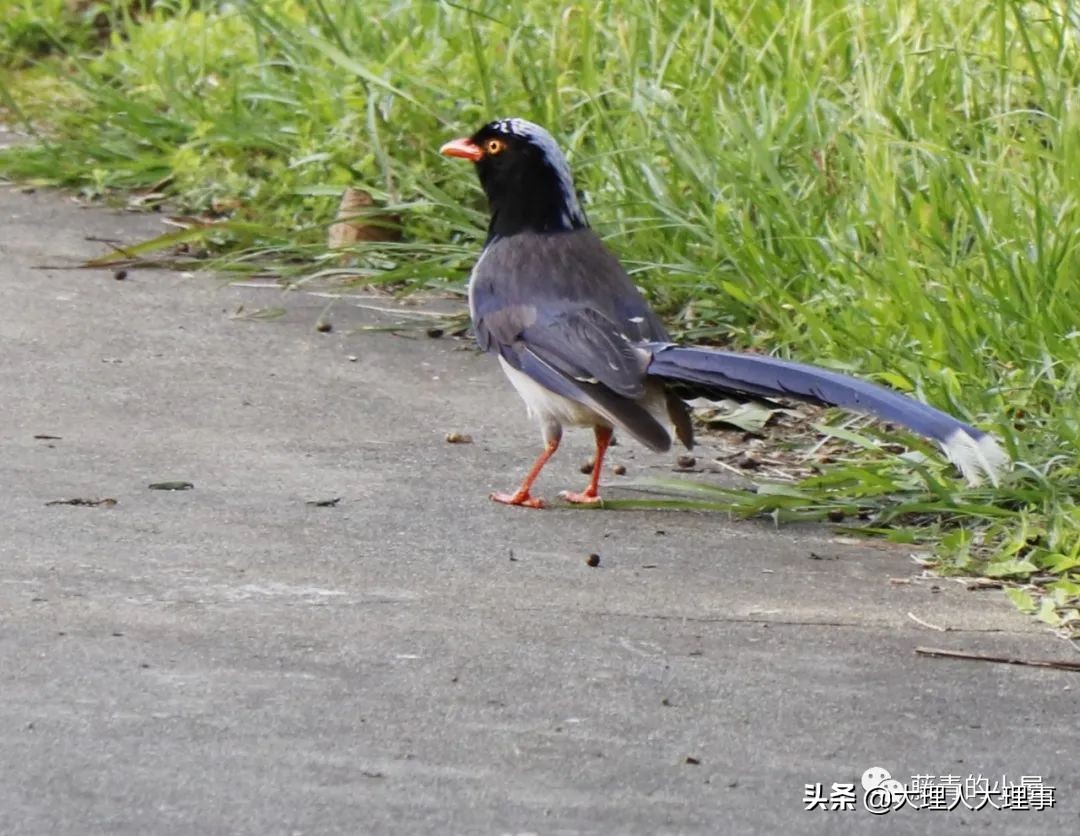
(582, 347)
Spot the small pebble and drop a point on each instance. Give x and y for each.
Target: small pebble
(324, 327)
(120, 275)
(836, 515)
(458, 438)
(592, 560)
(434, 333)
(686, 460)
(352, 358)
(587, 467)
(619, 470)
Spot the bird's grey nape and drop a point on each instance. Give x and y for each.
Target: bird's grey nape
(540, 138)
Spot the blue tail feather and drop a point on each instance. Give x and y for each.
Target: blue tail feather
(713, 373)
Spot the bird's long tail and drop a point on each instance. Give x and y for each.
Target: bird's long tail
(715, 374)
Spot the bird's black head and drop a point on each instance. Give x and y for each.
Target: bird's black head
(524, 175)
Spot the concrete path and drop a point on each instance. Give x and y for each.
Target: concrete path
(417, 659)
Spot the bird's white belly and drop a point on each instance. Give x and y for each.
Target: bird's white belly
(553, 411)
(545, 405)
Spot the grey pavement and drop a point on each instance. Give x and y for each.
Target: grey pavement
(417, 659)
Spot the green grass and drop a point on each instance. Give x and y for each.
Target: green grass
(890, 188)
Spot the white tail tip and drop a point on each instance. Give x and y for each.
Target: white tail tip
(977, 458)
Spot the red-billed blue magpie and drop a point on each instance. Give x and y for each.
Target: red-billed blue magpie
(582, 347)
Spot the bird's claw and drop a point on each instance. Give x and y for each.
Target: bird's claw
(521, 498)
(582, 498)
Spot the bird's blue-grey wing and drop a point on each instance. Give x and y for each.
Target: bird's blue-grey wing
(573, 351)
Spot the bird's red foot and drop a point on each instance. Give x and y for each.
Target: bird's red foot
(584, 498)
(522, 498)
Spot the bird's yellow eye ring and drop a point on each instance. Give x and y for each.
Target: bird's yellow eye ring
(494, 146)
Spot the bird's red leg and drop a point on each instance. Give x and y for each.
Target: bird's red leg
(522, 496)
(592, 491)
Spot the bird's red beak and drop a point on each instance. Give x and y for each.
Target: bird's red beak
(464, 148)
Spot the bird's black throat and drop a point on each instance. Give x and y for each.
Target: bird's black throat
(529, 198)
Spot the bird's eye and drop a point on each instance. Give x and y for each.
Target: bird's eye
(494, 146)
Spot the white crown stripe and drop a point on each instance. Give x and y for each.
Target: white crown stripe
(540, 138)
